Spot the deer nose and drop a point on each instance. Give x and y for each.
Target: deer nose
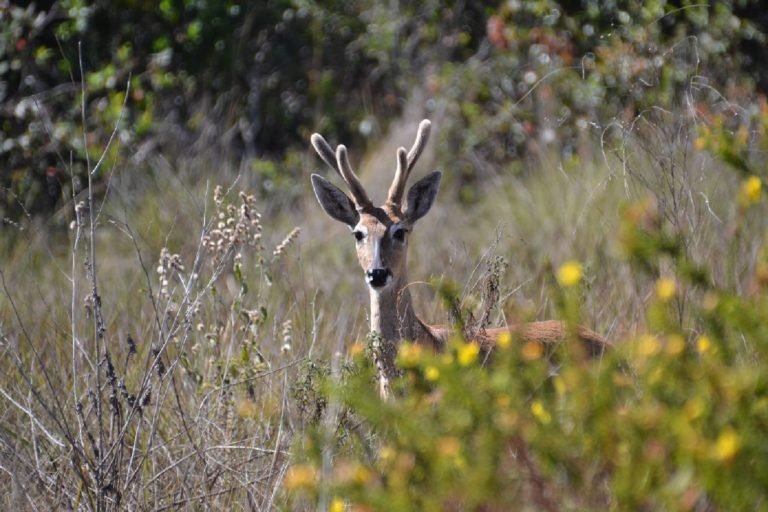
(377, 277)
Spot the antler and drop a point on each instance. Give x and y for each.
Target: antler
(339, 162)
(405, 163)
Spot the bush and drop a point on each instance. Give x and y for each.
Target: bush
(515, 79)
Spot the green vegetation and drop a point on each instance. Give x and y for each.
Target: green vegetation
(179, 324)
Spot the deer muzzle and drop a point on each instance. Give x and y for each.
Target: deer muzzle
(378, 277)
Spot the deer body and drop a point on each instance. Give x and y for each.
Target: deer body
(381, 234)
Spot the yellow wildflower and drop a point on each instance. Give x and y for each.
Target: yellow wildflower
(301, 476)
(541, 414)
(648, 345)
(703, 344)
(337, 505)
(431, 373)
(675, 344)
(448, 446)
(727, 445)
(362, 475)
(532, 350)
(356, 349)
(504, 340)
(387, 454)
(409, 354)
(570, 273)
(751, 190)
(467, 354)
(665, 289)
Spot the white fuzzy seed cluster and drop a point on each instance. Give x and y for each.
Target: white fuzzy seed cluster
(286, 243)
(235, 227)
(168, 263)
(287, 335)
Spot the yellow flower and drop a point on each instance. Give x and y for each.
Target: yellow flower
(387, 454)
(532, 350)
(751, 190)
(337, 505)
(409, 354)
(448, 446)
(675, 344)
(727, 445)
(467, 354)
(703, 344)
(648, 345)
(431, 373)
(570, 273)
(665, 289)
(362, 475)
(541, 414)
(301, 476)
(356, 349)
(504, 340)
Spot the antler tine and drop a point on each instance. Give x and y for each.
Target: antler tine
(397, 189)
(355, 187)
(405, 163)
(422, 136)
(325, 151)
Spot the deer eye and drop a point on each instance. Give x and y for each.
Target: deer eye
(399, 234)
(359, 235)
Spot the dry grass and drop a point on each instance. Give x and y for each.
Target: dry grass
(201, 414)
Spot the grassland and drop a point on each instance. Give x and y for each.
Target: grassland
(192, 381)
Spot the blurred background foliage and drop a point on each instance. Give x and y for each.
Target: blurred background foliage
(249, 81)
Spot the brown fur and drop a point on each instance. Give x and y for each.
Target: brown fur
(546, 332)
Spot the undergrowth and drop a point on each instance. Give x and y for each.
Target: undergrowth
(175, 349)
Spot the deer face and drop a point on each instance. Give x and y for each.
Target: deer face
(380, 233)
(380, 241)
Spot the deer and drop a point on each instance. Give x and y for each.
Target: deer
(381, 236)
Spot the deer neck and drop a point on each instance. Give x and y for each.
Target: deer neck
(393, 316)
(392, 320)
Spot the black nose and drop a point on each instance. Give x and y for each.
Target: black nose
(377, 277)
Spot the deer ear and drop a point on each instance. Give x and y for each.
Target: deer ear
(334, 201)
(421, 196)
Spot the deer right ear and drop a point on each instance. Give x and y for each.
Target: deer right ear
(421, 196)
(334, 201)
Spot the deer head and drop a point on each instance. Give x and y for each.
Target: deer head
(381, 232)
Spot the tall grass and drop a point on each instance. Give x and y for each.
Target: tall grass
(185, 380)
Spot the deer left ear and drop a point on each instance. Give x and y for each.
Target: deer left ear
(336, 203)
(421, 196)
